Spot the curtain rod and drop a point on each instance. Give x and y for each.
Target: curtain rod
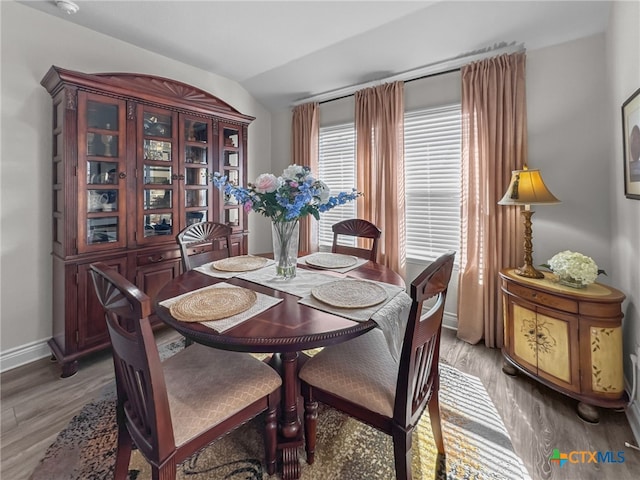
(432, 69)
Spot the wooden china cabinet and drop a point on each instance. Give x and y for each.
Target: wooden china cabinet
(132, 158)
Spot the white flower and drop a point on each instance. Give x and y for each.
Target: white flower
(575, 265)
(325, 192)
(294, 172)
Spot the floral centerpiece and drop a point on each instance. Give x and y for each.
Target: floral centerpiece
(285, 199)
(574, 269)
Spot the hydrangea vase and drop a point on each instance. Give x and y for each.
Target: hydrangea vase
(286, 236)
(571, 282)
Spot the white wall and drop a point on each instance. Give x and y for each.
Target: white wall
(623, 67)
(32, 41)
(568, 142)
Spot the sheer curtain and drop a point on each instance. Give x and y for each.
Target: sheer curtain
(380, 167)
(305, 131)
(494, 142)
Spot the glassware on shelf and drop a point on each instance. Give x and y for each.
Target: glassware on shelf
(102, 230)
(157, 150)
(106, 141)
(90, 146)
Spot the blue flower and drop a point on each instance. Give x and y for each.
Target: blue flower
(296, 195)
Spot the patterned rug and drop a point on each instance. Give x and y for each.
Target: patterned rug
(476, 443)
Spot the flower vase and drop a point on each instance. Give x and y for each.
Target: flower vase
(571, 282)
(285, 247)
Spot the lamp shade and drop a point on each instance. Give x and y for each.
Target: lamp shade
(527, 188)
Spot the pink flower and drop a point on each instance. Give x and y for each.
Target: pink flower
(247, 206)
(266, 183)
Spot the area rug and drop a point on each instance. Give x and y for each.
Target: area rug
(476, 442)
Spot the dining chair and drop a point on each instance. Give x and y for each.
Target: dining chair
(172, 409)
(204, 242)
(361, 378)
(356, 227)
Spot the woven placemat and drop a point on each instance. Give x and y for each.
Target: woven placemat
(241, 263)
(349, 293)
(213, 304)
(330, 260)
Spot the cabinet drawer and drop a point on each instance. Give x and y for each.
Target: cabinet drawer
(538, 297)
(158, 256)
(610, 311)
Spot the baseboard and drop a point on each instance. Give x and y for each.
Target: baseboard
(450, 321)
(633, 415)
(18, 356)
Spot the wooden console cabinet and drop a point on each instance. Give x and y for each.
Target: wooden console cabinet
(568, 339)
(132, 158)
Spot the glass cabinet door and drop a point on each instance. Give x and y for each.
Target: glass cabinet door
(231, 166)
(158, 176)
(196, 139)
(101, 172)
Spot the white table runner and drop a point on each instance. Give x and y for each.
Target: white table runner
(208, 269)
(300, 285)
(359, 262)
(391, 315)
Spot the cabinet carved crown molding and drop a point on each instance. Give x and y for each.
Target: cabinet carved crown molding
(149, 88)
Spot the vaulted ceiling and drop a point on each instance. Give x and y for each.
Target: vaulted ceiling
(283, 51)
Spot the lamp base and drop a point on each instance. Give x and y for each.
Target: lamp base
(529, 272)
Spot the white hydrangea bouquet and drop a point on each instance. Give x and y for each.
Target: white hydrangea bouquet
(574, 268)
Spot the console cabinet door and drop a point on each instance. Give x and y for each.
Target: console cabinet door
(523, 336)
(92, 327)
(558, 348)
(545, 343)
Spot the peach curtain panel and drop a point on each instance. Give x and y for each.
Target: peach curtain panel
(380, 167)
(305, 132)
(494, 142)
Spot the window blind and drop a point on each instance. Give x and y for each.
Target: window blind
(337, 168)
(432, 153)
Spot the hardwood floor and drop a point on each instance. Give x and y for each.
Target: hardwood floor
(36, 404)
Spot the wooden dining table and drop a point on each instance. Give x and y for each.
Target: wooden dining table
(284, 330)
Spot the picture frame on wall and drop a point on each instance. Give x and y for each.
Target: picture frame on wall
(631, 145)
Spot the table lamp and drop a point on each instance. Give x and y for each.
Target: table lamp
(525, 189)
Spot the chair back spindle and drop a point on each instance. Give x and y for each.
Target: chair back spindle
(418, 376)
(141, 391)
(361, 229)
(204, 242)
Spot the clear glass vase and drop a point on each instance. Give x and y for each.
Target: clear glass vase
(571, 282)
(286, 236)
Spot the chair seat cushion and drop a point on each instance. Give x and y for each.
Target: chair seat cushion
(360, 370)
(206, 386)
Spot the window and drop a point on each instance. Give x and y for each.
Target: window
(432, 143)
(337, 168)
(432, 152)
